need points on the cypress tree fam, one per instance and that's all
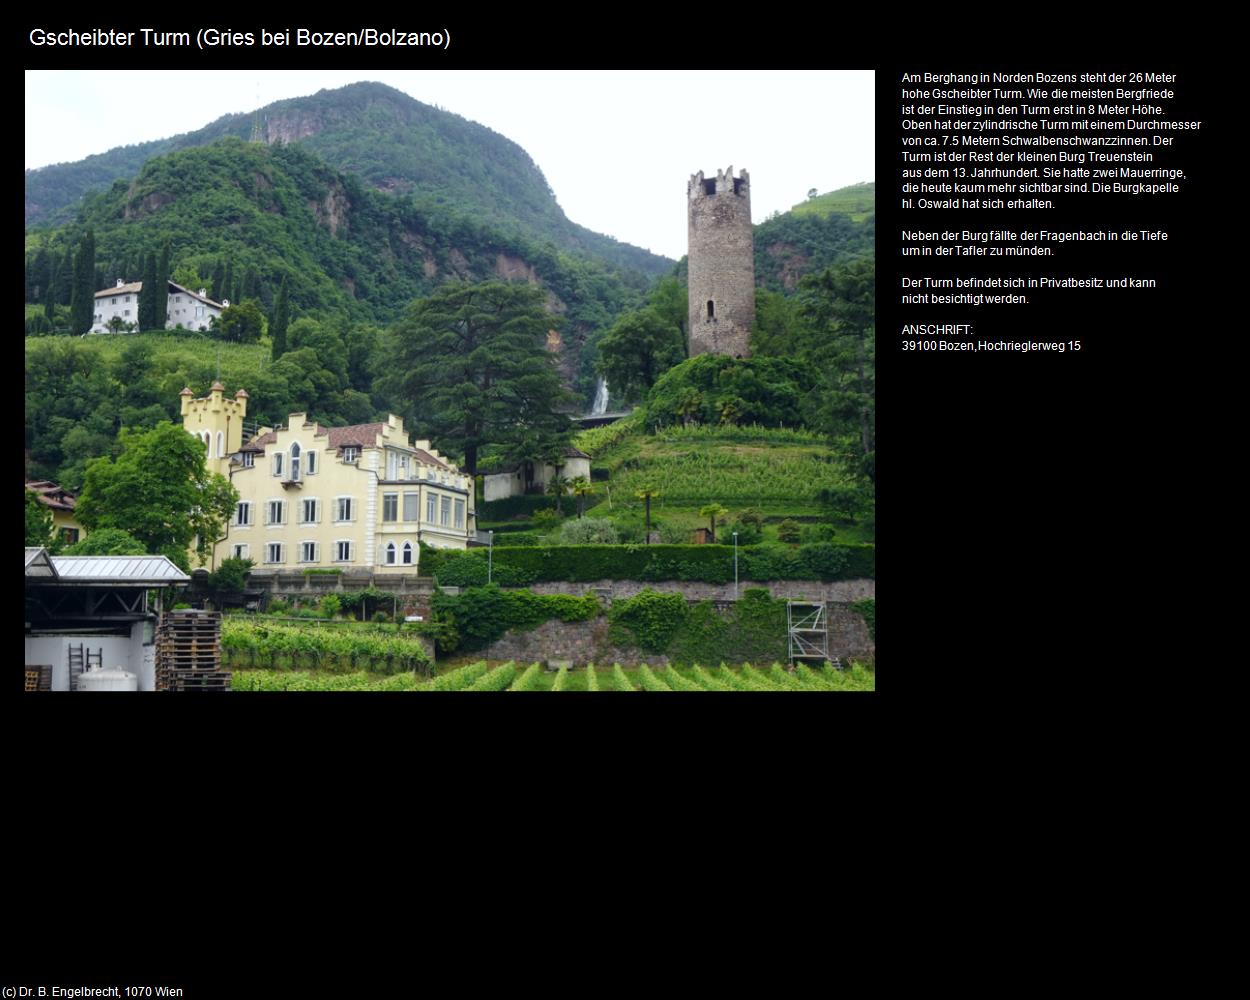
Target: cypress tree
(82, 294)
(64, 282)
(162, 281)
(39, 275)
(219, 279)
(147, 294)
(278, 322)
(251, 285)
(227, 284)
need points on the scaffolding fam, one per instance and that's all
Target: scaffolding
(807, 627)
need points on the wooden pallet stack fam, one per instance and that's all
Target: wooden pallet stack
(188, 652)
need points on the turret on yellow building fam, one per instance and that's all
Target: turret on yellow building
(217, 421)
(358, 497)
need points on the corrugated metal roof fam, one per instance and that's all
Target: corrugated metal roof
(152, 570)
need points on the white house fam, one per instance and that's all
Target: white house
(532, 477)
(191, 310)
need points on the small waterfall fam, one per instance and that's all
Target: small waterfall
(601, 398)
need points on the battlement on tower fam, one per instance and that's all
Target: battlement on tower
(724, 183)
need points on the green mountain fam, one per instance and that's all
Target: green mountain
(814, 235)
(387, 139)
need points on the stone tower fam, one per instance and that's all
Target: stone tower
(721, 264)
(217, 421)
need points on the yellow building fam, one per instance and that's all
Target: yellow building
(359, 497)
(62, 503)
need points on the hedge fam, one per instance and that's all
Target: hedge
(480, 615)
(526, 506)
(521, 566)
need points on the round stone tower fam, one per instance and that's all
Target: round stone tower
(721, 264)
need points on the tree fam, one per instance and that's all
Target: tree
(811, 193)
(712, 512)
(241, 323)
(637, 351)
(148, 293)
(230, 577)
(219, 279)
(647, 494)
(160, 491)
(82, 295)
(161, 313)
(38, 275)
(469, 365)
(581, 488)
(63, 279)
(278, 322)
(108, 542)
(38, 522)
(557, 486)
(840, 306)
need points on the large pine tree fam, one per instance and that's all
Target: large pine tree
(470, 364)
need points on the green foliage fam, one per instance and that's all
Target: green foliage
(545, 519)
(789, 531)
(108, 542)
(562, 678)
(158, 490)
(649, 681)
(531, 680)
(38, 522)
(676, 682)
(512, 508)
(596, 440)
(586, 531)
(619, 681)
(279, 321)
(858, 202)
(241, 323)
(231, 576)
(460, 678)
(483, 614)
(331, 605)
(248, 643)
(82, 296)
(765, 391)
(867, 609)
(637, 350)
(649, 620)
(469, 366)
(804, 242)
(592, 677)
(496, 680)
(303, 680)
(706, 563)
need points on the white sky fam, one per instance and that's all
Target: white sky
(617, 147)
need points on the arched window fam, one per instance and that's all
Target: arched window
(390, 553)
(294, 461)
(407, 553)
(711, 309)
(208, 446)
(221, 444)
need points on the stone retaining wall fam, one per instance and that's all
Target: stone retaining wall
(837, 591)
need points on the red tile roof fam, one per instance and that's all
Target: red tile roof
(360, 435)
(52, 495)
(428, 459)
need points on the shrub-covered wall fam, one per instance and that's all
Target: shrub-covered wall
(518, 567)
(480, 615)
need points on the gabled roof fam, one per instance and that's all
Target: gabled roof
(52, 495)
(425, 457)
(143, 571)
(132, 288)
(359, 435)
(39, 563)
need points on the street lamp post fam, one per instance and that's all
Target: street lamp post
(735, 565)
(490, 555)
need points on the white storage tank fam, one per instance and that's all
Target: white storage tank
(108, 679)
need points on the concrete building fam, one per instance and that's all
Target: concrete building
(358, 497)
(62, 503)
(721, 264)
(93, 610)
(532, 477)
(185, 308)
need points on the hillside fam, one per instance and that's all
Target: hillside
(814, 235)
(347, 250)
(391, 142)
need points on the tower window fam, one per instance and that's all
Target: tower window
(709, 187)
(711, 309)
